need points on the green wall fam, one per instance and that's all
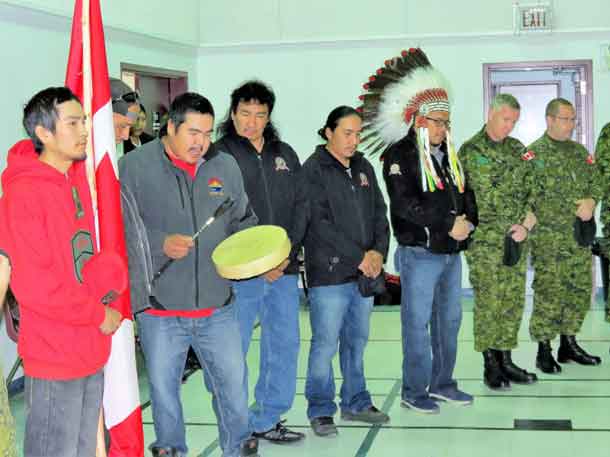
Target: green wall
(317, 54)
(35, 51)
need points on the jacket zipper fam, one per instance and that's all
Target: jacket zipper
(266, 188)
(190, 190)
(180, 190)
(359, 211)
(449, 185)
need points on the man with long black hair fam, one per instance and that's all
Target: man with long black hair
(273, 182)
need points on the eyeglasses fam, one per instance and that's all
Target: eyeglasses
(129, 97)
(565, 119)
(439, 122)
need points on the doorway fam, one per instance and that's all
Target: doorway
(534, 84)
(157, 88)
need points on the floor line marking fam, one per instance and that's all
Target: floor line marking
(211, 448)
(374, 431)
(558, 379)
(214, 444)
(415, 427)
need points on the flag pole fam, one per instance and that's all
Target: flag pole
(87, 76)
(100, 450)
(87, 106)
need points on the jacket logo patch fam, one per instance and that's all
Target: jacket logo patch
(395, 170)
(82, 250)
(364, 181)
(529, 155)
(280, 164)
(215, 186)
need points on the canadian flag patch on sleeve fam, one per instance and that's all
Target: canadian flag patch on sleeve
(529, 155)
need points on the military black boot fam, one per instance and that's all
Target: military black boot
(511, 371)
(545, 360)
(492, 375)
(570, 351)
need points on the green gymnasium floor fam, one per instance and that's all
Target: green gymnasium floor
(571, 411)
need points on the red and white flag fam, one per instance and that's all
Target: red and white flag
(87, 76)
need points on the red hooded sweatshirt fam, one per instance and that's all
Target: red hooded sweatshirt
(50, 231)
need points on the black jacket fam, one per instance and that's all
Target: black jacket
(424, 218)
(347, 218)
(275, 186)
(129, 146)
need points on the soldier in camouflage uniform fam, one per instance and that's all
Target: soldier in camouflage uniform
(602, 155)
(565, 186)
(498, 173)
(7, 425)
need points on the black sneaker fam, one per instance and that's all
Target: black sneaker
(249, 448)
(324, 426)
(280, 434)
(370, 415)
(165, 452)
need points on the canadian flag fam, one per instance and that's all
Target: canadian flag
(87, 76)
(529, 155)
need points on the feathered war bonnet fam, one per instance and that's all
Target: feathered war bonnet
(407, 86)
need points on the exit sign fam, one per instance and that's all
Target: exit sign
(532, 18)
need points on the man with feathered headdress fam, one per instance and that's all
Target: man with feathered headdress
(433, 211)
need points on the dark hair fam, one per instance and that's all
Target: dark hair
(142, 108)
(335, 116)
(188, 102)
(41, 110)
(250, 91)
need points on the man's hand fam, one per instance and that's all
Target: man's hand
(530, 221)
(277, 272)
(177, 246)
(461, 228)
(112, 321)
(585, 208)
(5, 277)
(371, 264)
(518, 232)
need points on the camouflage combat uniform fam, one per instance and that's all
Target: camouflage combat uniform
(498, 173)
(602, 157)
(563, 174)
(7, 425)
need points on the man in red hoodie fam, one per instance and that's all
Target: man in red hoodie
(61, 284)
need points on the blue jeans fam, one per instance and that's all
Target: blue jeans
(62, 416)
(430, 315)
(217, 343)
(340, 316)
(277, 306)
